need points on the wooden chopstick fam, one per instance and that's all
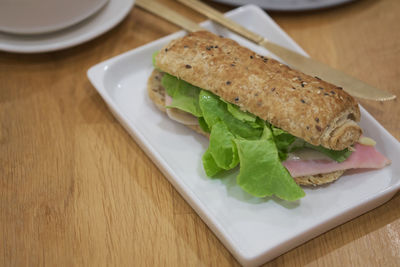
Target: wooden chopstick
(216, 16)
(169, 15)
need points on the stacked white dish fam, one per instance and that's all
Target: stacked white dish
(56, 32)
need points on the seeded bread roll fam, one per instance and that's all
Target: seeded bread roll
(156, 93)
(307, 107)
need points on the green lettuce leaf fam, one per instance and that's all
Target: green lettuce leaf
(254, 124)
(261, 172)
(170, 84)
(214, 110)
(239, 114)
(210, 166)
(211, 108)
(222, 148)
(154, 59)
(203, 125)
(184, 95)
(283, 140)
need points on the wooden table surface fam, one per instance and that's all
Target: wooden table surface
(76, 190)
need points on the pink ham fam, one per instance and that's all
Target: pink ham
(363, 157)
(168, 100)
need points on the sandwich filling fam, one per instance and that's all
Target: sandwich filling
(306, 161)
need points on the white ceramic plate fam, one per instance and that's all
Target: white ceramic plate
(107, 18)
(43, 16)
(254, 230)
(288, 5)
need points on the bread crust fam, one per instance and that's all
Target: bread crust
(156, 93)
(318, 179)
(305, 106)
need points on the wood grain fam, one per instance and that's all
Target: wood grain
(76, 190)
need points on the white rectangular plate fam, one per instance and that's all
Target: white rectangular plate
(254, 230)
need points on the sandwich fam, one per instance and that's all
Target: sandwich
(280, 127)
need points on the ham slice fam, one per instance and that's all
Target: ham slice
(362, 157)
(179, 115)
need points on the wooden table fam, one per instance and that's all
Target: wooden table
(75, 189)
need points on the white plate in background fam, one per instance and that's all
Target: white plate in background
(254, 230)
(107, 18)
(287, 5)
(44, 16)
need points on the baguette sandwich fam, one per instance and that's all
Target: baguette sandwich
(282, 127)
